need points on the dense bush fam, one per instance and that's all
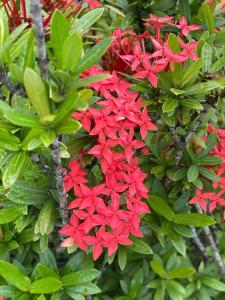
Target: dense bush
(112, 149)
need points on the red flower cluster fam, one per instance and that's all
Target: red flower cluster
(210, 200)
(106, 215)
(128, 52)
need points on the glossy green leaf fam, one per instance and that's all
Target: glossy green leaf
(72, 50)
(14, 169)
(93, 56)
(210, 160)
(158, 268)
(122, 258)
(140, 246)
(184, 272)
(69, 126)
(193, 219)
(88, 19)
(22, 119)
(47, 285)
(80, 277)
(192, 173)
(169, 105)
(9, 141)
(86, 289)
(185, 10)
(8, 215)
(36, 92)
(192, 72)
(160, 206)
(213, 283)
(48, 137)
(209, 174)
(44, 218)
(207, 16)
(14, 276)
(59, 30)
(206, 55)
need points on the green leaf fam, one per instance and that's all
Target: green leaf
(185, 10)
(8, 215)
(211, 141)
(210, 160)
(206, 56)
(8, 291)
(88, 19)
(90, 80)
(159, 205)
(159, 294)
(207, 16)
(213, 283)
(59, 30)
(14, 169)
(69, 126)
(72, 50)
(14, 276)
(80, 277)
(44, 218)
(209, 174)
(177, 92)
(175, 290)
(9, 141)
(139, 246)
(122, 257)
(192, 72)
(154, 284)
(191, 103)
(47, 285)
(179, 174)
(180, 273)
(205, 87)
(158, 268)
(192, 173)
(174, 43)
(86, 289)
(48, 137)
(169, 105)
(45, 271)
(23, 119)
(93, 56)
(193, 219)
(178, 243)
(36, 92)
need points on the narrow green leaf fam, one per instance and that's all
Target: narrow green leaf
(122, 257)
(90, 80)
(59, 30)
(86, 289)
(206, 56)
(88, 19)
(22, 119)
(48, 137)
(47, 285)
(140, 246)
(180, 273)
(14, 276)
(210, 160)
(185, 10)
(192, 173)
(158, 268)
(69, 126)
(36, 92)
(191, 103)
(72, 50)
(207, 16)
(9, 141)
(80, 277)
(8, 215)
(14, 169)
(161, 207)
(193, 219)
(192, 72)
(213, 283)
(169, 105)
(209, 174)
(93, 56)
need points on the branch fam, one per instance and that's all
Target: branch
(60, 182)
(213, 245)
(181, 145)
(13, 88)
(35, 10)
(198, 242)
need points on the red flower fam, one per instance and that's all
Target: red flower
(93, 3)
(185, 29)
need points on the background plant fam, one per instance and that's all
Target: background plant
(49, 76)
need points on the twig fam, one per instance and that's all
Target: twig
(60, 182)
(35, 10)
(36, 158)
(198, 242)
(181, 144)
(213, 245)
(13, 88)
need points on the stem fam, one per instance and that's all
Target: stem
(198, 242)
(60, 182)
(181, 145)
(213, 245)
(35, 10)
(13, 88)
